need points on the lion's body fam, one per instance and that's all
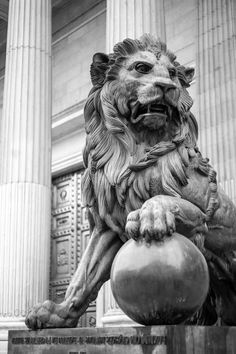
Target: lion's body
(134, 162)
(128, 162)
(145, 176)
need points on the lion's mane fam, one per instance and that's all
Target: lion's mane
(117, 179)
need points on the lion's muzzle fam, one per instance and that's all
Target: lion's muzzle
(153, 110)
(153, 116)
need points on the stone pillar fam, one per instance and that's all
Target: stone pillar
(216, 79)
(131, 19)
(25, 161)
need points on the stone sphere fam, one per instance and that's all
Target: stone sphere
(164, 282)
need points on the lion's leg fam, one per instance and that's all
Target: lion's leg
(162, 215)
(94, 268)
(93, 271)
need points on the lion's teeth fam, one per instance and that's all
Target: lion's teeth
(135, 110)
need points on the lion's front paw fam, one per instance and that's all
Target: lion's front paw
(153, 221)
(51, 315)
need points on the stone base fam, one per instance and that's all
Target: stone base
(135, 340)
(6, 324)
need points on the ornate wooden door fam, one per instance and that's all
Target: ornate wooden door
(69, 238)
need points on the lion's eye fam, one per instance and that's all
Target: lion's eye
(143, 68)
(172, 72)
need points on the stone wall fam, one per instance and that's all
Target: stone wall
(72, 53)
(79, 30)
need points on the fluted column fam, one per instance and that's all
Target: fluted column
(133, 18)
(108, 312)
(217, 87)
(125, 19)
(25, 161)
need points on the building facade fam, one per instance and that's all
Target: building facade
(46, 47)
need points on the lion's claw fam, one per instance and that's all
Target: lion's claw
(51, 315)
(154, 220)
(133, 225)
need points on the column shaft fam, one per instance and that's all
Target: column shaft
(25, 160)
(133, 18)
(25, 130)
(217, 87)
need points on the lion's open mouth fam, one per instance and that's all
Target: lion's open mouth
(152, 115)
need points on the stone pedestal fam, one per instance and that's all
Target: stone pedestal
(25, 160)
(136, 340)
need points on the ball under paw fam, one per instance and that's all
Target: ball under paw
(161, 283)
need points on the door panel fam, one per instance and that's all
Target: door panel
(69, 238)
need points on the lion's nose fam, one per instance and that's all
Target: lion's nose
(159, 93)
(164, 83)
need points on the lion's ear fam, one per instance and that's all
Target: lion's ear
(189, 74)
(98, 69)
(100, 58)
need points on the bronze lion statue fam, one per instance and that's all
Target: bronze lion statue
(145, 177)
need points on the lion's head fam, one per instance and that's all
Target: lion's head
(137, 114)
